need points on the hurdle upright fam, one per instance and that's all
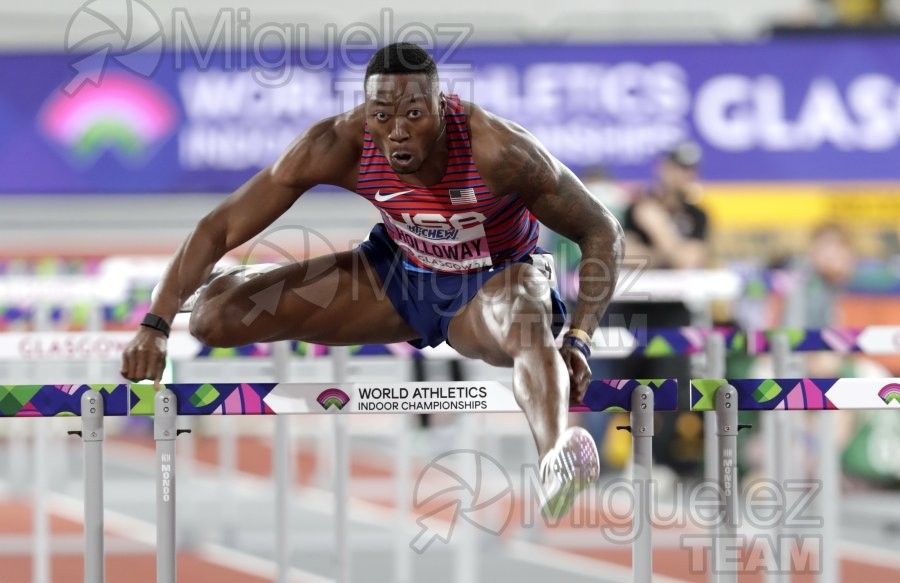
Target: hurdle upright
(781, 394)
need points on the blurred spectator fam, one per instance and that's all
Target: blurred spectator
(818, 277)
(664, 229)
(811, 300)
(663, 224)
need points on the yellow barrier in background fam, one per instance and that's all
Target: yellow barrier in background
(749, 219)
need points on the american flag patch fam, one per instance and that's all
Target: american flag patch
(462, 196)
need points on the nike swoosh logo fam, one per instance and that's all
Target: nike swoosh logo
(383, 197)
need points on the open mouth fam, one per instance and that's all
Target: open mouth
(401, 158)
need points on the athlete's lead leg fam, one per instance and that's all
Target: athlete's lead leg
(508, 323)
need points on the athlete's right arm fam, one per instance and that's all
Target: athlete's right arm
(327, 153)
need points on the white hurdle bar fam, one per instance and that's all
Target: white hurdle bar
(293, 401)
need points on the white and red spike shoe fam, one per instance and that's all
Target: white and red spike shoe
(571, 466)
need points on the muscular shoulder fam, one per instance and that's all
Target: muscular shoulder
(507, 156)
(328, 152)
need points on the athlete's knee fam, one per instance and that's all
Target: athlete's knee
(212, 322)
(205, 327)
(526, 317)
(214, 313)
(529, 296)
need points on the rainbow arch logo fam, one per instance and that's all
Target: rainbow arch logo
(123, 114)
(890, 393)
(333, 397)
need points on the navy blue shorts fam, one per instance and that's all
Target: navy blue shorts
(427, 300)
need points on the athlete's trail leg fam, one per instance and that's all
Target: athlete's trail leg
(333, 299)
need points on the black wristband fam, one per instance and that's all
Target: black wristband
(157, 323)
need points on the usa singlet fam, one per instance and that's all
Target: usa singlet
(456, 225)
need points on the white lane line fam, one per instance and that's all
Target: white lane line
(867, 554)
(145, 533)
(577, 564)
(116, 523)
(253, 565)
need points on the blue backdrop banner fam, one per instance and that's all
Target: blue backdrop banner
(200, 121)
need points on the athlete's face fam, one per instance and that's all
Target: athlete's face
(405, 117)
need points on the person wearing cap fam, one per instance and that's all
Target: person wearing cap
(664, 229)
(663, 225)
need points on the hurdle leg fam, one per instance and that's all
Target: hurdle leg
(340, 358)
(40, 560)
(92, 438)
(41, 564)
(227, 477)
(782, 446)
(402, 500)
(466, 552)
(642, 408)
(283, 470)
(165, 432)
(228, 474)
(727, 542)
(282, 475)
(403, 567)
(829, 499)
(92, 410)
(715, 369)
(465, 568)
(188, 528)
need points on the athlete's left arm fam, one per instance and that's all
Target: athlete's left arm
(552, 192)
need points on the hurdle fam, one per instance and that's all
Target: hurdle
(728, 396)
(173, 400)
(782, 343)
(871, 340)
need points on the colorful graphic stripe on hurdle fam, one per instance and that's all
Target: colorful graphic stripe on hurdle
(763, 394)
(615, 395)
(299, 398)
(868, 340)
(658, 342)
(58, 400)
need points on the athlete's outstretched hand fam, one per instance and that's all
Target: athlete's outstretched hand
(145, 356)
(579, 373)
